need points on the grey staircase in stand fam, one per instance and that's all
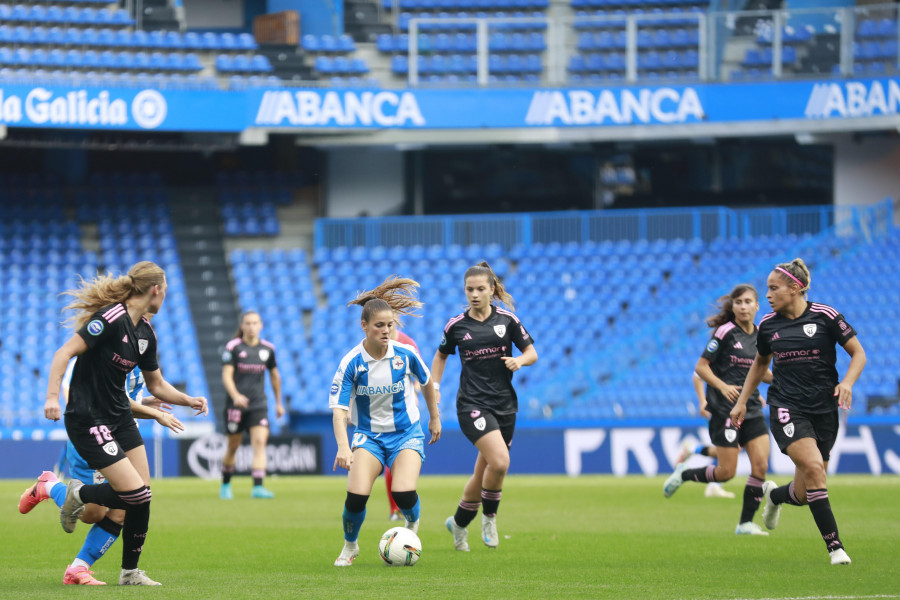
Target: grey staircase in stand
(198, 234)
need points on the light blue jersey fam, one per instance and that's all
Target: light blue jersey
(378, 393)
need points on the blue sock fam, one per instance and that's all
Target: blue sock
(58, 494)
(411, 514)
(99, 540)
(352, 524)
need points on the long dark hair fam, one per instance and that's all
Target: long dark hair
(725, 304)
(240, 329)
(500, 292)
(395, 294)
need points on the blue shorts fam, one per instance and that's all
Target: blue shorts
(387, 445)
(79, 469)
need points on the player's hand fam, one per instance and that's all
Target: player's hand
(199, 404)
(434, 428)
(168, 420)
(844, 395)
(52, 410)
(279, 410)
(762, 400)
(154, 402)
(704, 412)
(241, 401)
(512, 363)
(737, 414)
(343, 459)
(731, 392)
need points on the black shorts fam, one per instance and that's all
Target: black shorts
(103, 445)
(476, 423)
(238, 420)
(790, 425)
(725, 435)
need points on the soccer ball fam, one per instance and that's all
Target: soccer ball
(399, 547)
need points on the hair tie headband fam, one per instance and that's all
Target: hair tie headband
(786, 272)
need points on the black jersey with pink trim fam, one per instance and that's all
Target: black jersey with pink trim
(115, 346)
(730, 353)
(485, 382)
(804, 356)
(250, 365)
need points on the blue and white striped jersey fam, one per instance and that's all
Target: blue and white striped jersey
(378, 393)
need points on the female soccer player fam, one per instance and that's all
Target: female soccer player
(713, 489)
(106, 523)
(245, 361)
(805, 394)
(486, 402)
(113, 335)
(372, 385)
(723, 366)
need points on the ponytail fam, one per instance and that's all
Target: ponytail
(103, 290)
(797, 272)
(395, 294)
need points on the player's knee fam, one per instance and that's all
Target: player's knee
(93, 513)
(136, 498)
(724, 473)
(499, 466)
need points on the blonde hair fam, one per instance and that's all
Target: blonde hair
(797, 272)
(103, 290)
(395, 294)
(500, 293)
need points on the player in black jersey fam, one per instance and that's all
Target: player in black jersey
(113, 335)
(723, 366)
(486, 402)
(245, 361)
(805, 394)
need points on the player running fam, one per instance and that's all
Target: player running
(372, 387)
(106, 523)
(113, 335)
(805, 394)
(723, 366)
(486, 403)
(244, 364)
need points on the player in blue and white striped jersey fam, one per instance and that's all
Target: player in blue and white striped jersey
(372, 387)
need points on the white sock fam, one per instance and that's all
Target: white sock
(50, 487)
(80, 563)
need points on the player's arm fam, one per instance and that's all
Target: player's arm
(162, 389)
(75, 346)
(702, 368)
(240, 400)
(165, 419)
(751, 382)
(844, 389)
(340, 420)
(275, 376)
(701, 394)
(528, 357)
(438, 364)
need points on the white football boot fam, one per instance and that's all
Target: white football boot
(460, 534)
(348, 554)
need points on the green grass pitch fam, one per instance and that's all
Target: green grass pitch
(587, 537)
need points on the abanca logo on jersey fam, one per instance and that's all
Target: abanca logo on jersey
(853, 99)
(371, 390)
(622, 107)
(387, 109)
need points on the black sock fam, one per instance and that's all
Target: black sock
(820, 508)
(134, 533)
(490, 501)
(258, 475)
(752, 496)
(227, 472)
(703, 474)
(102, 494)
(110, 526)
(465, 512)
(405, 500)
(705, 450)
(785, 495)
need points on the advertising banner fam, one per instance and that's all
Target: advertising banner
(360, 109)
(285, 455)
